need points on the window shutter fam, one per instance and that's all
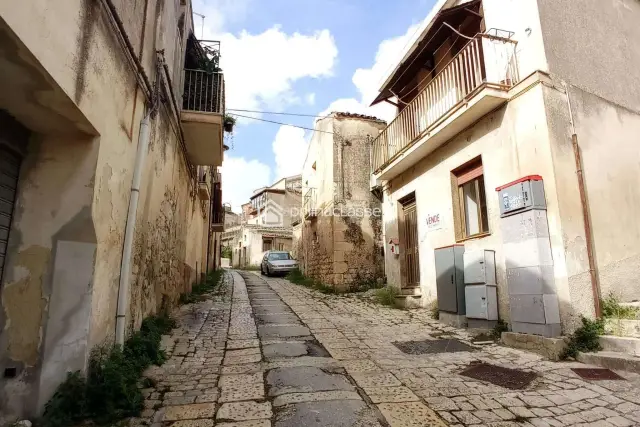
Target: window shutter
(469, 173)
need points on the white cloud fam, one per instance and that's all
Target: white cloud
(290, 149)
(369, 80)
(240, 177)
(310, 98)
(260, 69)
(215, 20)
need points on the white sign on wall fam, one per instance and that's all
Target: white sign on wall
(434, 221)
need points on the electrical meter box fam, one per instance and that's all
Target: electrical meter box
(521, 195)
(480, 267)
(482, 302)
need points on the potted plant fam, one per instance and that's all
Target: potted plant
(229, 122)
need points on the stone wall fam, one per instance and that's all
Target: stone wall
(317, 252)
(342, 246)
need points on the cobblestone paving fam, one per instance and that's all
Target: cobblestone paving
(269, 353)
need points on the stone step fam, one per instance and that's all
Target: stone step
(620, 344)
(611, 360)
(413, 291)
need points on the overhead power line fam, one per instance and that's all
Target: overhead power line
(283, 124)
(274, 112)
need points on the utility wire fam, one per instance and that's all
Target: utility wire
(273, 112)
(283, 124)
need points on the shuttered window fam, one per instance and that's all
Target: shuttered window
(471, 200)
(9, 170)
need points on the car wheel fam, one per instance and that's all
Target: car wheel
(261, 270)
(268, 272)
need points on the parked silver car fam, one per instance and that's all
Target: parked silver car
(277, 262)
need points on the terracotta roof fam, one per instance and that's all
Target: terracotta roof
(340, 114)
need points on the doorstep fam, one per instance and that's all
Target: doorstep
(626, 345)
(409, 297)
(611, 360)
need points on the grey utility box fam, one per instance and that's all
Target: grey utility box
(522, 194)
(480, 267)
(533, 301)
(450, 279)
(482, 302)
(481, 296)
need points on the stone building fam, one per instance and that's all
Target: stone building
(91, 107)
(496, 96)
(249, 242)
(339, 236)
(266, 223)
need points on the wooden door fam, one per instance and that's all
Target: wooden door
(409, 236)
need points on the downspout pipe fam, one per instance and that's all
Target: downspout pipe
(125, 266)
(586, 217)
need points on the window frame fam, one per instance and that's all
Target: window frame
(470, 172)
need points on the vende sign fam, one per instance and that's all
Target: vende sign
(433, 222)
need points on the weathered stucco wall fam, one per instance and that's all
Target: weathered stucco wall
(593, 45)
(53, 205)
(513, 142)
(74, 186)
(608, 135)
(523, 19)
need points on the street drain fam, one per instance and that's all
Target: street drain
(433, 346)
(597, 374)
(513, 379)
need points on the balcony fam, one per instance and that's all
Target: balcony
(309, 203)
(472, 84)
(217, 210)
(204, 184)
(202, 113)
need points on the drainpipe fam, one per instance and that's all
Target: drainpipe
(125, 266)
(588, 235)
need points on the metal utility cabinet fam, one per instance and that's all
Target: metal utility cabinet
(450, 279)
(533, 301)
(450, 285)
(481, 295)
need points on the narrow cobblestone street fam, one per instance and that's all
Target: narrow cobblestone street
(265, 352)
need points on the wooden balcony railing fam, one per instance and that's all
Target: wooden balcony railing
(484, 61)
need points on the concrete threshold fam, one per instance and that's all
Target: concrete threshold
(626, 345)
(611, 360)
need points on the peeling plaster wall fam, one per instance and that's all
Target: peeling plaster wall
(55, 193)
(513, 142)
(69, 180)
(357, 253)
(593, 45)
(342, 245)
(609, 139)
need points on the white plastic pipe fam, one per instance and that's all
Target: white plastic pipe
(125, 266)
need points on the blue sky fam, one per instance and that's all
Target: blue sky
(299, 56)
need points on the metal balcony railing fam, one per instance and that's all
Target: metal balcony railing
(203, 91)
(485, 61)
(309, 203)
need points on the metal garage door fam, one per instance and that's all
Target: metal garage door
(9, 168)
